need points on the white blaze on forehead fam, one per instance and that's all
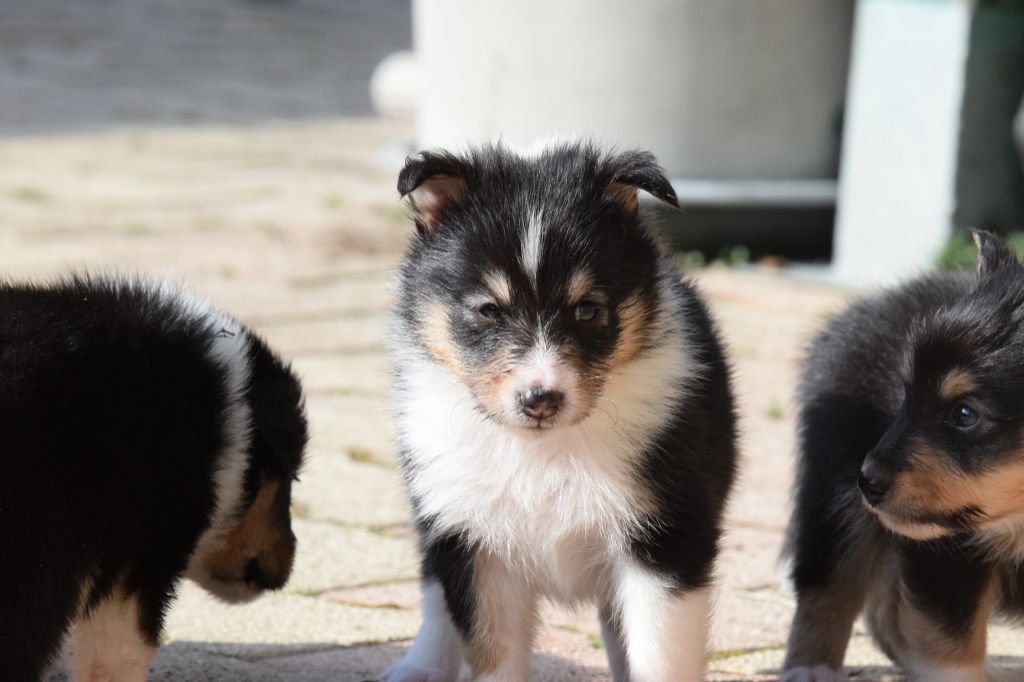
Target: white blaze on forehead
(533, 243)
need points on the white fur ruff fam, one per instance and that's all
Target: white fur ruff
(557, 505)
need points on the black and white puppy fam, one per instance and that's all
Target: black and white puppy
(564, 413)
(910, 497)
(144, 435)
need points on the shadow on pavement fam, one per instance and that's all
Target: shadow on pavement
(313, 662)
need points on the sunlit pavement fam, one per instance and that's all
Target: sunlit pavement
(295, 228)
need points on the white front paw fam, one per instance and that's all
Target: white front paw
(819, 673)
(416, 671)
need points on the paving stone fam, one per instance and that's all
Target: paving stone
(280, 623)
(361, 375)
(357, 425)
(336, 487)
(403, 594)
(330, 556)
(345, 335)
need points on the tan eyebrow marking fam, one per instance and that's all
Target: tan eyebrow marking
(956, 383)
(579, 286)
(499, 286)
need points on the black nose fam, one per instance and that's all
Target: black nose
(873, 483)
(540, 403)
(255, 575)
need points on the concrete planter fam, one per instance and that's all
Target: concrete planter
(730, 89)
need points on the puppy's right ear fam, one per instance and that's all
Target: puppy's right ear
(993, 253)
(434, 183)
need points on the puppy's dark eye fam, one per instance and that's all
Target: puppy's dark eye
(964, 416)
(489, 311)
(586, 311)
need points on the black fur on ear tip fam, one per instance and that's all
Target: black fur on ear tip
(640, 169)
(426, 164)
(993, 253)
(409, 177)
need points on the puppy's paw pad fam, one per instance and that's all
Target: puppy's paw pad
(414, 672)
(819, 673)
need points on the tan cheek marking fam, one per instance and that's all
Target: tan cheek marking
(955, 384)
(499, 287)
(633, 317)
(935, 484)
(585, 384)
(489, 382)
(435, 335)
(255, 534)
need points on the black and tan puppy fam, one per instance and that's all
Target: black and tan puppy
(910, 500)
(144, 435)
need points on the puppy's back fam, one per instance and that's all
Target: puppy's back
(859, 352)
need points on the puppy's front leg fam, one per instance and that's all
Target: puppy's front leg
(107, 644)
(435, 655)
(665, 628)
(499, 643)
(935, 622)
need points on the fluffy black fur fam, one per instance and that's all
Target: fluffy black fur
(111, 430)
(872, 414)
(490, 197)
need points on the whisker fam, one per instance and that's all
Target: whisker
(615, 420)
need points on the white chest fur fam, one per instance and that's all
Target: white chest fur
(557, 505)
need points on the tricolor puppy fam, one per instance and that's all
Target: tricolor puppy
(144, 435)
(564, 413)
(910, 503)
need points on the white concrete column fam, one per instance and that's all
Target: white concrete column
(898, 172)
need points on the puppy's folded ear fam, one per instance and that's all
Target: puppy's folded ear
(632, 171)
(434, 182)
(993, 254)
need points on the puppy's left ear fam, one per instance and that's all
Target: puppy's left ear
(993, 253)
(434, 182)
(632, 171)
